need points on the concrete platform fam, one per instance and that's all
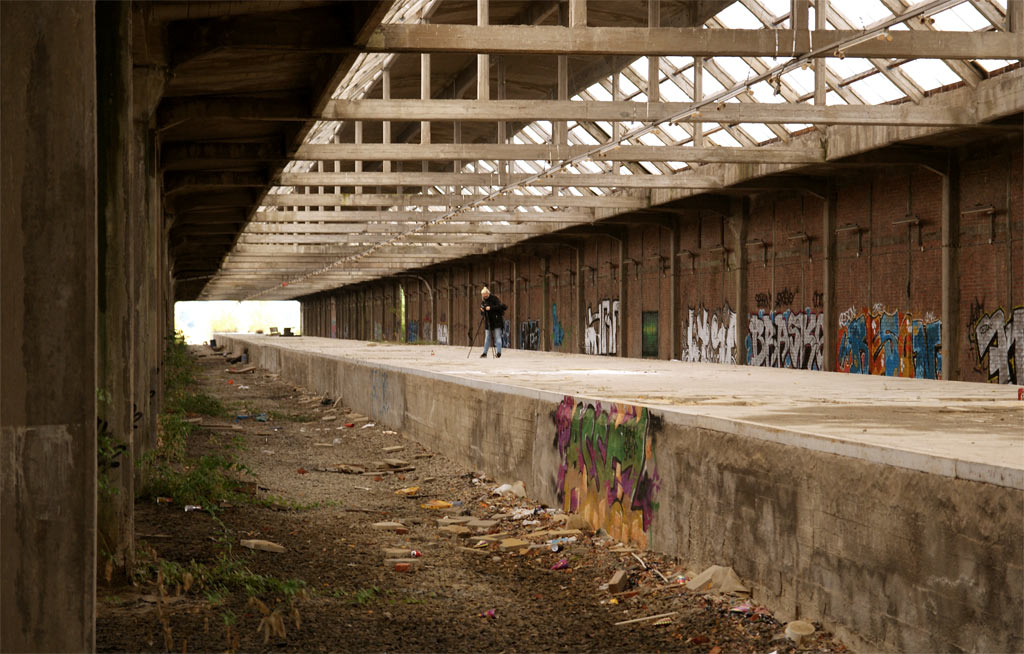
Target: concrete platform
(892, 509)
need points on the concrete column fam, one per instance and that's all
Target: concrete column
(831, 319)
(1015, 15)
(48, 351)
(820, 18)
(951, 269)
(114, 410)
(674, 323)
(545, 309)
(514, 335)
(738, 222)
(483, 62)
(579, 300)
(621, 340)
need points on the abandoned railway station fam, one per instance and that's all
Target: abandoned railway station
(792, 231)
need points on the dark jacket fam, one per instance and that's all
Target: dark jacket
(496, 316)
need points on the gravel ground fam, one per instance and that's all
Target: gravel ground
(331, 475)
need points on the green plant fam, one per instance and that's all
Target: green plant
(211, 480)
(364, 595)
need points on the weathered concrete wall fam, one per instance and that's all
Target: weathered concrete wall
(48, 236)
(891, 558)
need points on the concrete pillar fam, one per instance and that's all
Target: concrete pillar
(738, 222)
(674, 323)
(621, 340)
(48, 351)
(831, 320)
(545, 308)
(579, 300)
(951, 269)
(514, 335)
(115, 297)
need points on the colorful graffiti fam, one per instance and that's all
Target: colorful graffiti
(412, 332)
(607, 471)
(786, 340)
(529, 335)
(557, 333)
(894, 344)
(649, 333)
(1000, 339)
(710, 336)
(602, 328)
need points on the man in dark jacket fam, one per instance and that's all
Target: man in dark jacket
(493, 312)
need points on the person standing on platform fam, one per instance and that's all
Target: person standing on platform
(493, 312)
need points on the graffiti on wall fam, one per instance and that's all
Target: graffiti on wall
(506, 334)
(557, 333)
(786, 340)
(606, 469)
(426, 328)
(529, 335)
(442, 333)
(999, 339)
(710, 336)
(649, 333)
(602, 328)
(412, 332)
(894, 344)
(378, 333)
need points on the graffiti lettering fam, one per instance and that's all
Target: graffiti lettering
(1001, 340)
(413, 332)
(763, 300)
(557, 333)
(602, 328)
(442, 333)
(785, 340)
(894, 344)
(607, 471)
(710, 337)
(529, 335)
(818, 301)
(784, 298)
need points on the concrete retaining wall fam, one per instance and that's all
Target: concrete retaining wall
(889, 558)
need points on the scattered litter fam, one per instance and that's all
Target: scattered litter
(242, 416)
(403, 567)
(489, 613)
(717, 579)
(302, 471)
(330, 418)
(618, 582)
(664, 621)
(263, 545)
(326, 401)
(561, 565)
(643, 563)
(798, 630)
(436, 504)
(389, 432)
(410, 490)
(423, 456)
(337, 441)
(396, 527)
(743, 608)
(164, 500)
(261, 418)
(369, 424)
(267, 451)
(243, 387)
(518, 489)
(393, 448)
(350, 425)
(192, 507)
(650, 617)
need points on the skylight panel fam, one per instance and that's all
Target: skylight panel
(670, 92)
(848, 67)
(758, 131)
(676, 166)
(862, 13)
(929, 73)
(796, 127)
(543, 127)
(639, 67)
(627, 87)
(674, 132)
(598, 92)
(650, 139)
(623, 170)
(735, 67)
(724, 139)
(649, 167)
(992, 64)
(963, 17)
(583, 135)
(736, 16)
(605, 127)
(832, 99)
(763, 92)
(678, 63)
(711, 84)
(776, 7)
(801, 80)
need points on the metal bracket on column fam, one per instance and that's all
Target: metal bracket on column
(910, 221)
(693, 258)
(725, 254)
(802, 236)
(850, 227)
(991, 211)
(764, 248)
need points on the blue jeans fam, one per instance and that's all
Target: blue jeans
(497, 339)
